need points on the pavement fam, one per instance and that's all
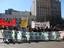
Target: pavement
(34, 45)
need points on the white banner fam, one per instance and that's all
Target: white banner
(40, 24)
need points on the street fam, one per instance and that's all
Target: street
(34, 45)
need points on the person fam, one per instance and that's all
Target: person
(46, 29)
(30, 29)
(39, 29)
(24, 29)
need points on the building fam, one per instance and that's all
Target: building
(47, 10)
(14, 14)
(11, 14)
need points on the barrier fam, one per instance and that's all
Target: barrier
(19, 36)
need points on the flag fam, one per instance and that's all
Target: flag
(24, 23)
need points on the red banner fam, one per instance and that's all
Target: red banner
(6, 23)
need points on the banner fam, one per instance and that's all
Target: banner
(40, 24)
(6, 23)
(24, 23)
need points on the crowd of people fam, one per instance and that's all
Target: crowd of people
(39, 29)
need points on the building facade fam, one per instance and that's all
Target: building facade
(46, 10)
(14, 14)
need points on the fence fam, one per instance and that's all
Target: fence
(20, 36)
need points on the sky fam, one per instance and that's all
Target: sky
(62, 8)
(21, 5)
(15, 4)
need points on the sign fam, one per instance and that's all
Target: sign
(5, 23)
(40, 24)
(24, 23)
